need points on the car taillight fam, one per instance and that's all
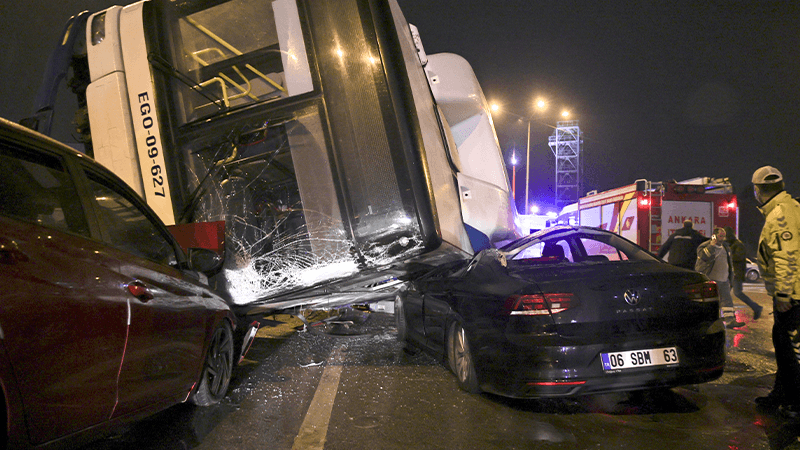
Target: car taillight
(702, 292)
(539, 304)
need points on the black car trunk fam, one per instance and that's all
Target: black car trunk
(620, 300)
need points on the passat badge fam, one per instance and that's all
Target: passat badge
(632, 297)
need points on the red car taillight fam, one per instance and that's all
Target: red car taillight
(702, 292)
(539, 304)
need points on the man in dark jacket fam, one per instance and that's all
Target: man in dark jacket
(682, 246)
(739, 260)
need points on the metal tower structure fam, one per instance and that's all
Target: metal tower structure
(566, 143)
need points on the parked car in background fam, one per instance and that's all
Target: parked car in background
(565, 311)
(103, 319)
(751, 274)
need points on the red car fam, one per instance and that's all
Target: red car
(102, 317)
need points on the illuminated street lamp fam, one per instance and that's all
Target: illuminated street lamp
(540, 105)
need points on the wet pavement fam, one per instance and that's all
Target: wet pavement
(350, 385)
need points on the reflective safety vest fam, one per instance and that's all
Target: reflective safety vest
(779, 247)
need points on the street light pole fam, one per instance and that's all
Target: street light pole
(541, 104)
(527, 168)
(514, 176)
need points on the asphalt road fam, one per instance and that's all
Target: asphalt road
(355, 387)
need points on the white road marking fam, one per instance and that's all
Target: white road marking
(755, 288)
(315, 425)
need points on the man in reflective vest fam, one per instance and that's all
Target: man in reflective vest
(778, 261)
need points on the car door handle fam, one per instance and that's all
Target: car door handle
(10, 253)
(140, 290)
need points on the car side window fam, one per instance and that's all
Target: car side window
(128, 228)
(602, 251)
(551, 251)
(532, 251)
(559, 249)
(36, 187)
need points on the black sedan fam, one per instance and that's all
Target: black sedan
(565, 311)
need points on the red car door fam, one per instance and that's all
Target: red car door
(62, 320)
(63, 325)
(167, 334)
(170, 317)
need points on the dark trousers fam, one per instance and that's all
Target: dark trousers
(739, 293)
(784, 333)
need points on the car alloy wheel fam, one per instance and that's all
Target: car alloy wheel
(217, 370)
(461, 359)
(752, 275)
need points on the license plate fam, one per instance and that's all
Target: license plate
(639, 358)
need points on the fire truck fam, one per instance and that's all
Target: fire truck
(308, 142)
(648, 212)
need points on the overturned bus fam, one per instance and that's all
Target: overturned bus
(313, 144)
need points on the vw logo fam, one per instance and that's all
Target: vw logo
(632, 297)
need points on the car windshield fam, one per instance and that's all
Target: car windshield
(574, 245)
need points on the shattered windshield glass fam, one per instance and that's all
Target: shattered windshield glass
(270, 180)
(312, 187)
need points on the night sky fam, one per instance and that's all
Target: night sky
(661, 90)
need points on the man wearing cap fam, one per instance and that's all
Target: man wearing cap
(682, 246)
(778, 261)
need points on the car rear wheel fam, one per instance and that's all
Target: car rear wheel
(751, 275)
(460, 358)
(400, 319)
(217, 369)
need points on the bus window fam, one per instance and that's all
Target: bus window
(233, 54)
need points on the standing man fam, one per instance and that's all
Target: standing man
(714, 260)
(739, 259)
(682, 246)
(778, 259)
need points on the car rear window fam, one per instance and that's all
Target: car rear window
(35, 187)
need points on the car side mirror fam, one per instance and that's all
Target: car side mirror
(204, 260)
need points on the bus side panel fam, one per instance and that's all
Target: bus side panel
(147, 131)
(112, 134)
(441, 184)
(482, 179)
(107, 100)
(368, 143)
